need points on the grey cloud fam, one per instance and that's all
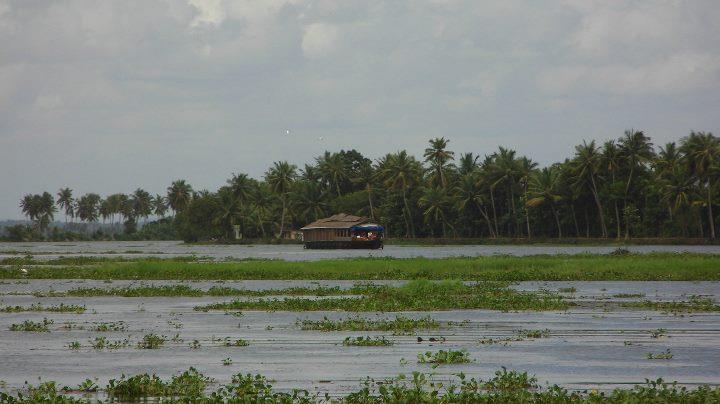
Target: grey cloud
(108, 96)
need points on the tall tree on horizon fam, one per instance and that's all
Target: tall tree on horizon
(65, 201)
(280, 178)
(701, 154)
(178, 195)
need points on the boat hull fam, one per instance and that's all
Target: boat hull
(355, 244)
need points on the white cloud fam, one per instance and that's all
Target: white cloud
(319, 39)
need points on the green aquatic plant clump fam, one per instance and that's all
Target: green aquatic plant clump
(33, 326)
(694, 304)
(187, 291)
(151, 341)
(443, 357)
(60, 308)
(367, 341)
(398, 325)
(420, 295)
(191, 384)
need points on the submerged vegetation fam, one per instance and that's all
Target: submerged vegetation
(694, 304)
(61, 308)
(367, 341)
(505, 386)
(443, 357)
(413, 296)
(399, 324)
(581, 267)
(33, 326)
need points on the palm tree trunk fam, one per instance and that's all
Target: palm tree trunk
(492, 200)
(577, 228)
(369, 192)
(282, 218)
(557, 220)
(514, 212)
(527, 218)
(487, 220)
(587, 224)
(617, 219)
(627, 189)
(711, 220)
(405, 214)
(599, 207)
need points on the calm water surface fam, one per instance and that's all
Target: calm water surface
(168, 249)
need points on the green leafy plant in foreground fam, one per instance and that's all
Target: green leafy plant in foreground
(151, 341)
(32, 326)
(507, 386)
(443, 357)
(367, 341)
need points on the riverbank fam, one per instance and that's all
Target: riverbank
(580, 267)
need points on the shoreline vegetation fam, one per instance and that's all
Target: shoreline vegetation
(620, 189)
(620, 265)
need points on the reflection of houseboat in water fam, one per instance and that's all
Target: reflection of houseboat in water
(343, 231)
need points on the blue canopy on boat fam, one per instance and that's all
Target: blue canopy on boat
(368, 227)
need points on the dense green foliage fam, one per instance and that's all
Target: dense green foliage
(620, 189)
(582, 267)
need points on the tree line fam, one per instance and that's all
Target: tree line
(618, 189)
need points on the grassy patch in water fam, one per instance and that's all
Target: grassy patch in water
(413, 296)
(32, 326)
(399, 324)
(694, 304)
(187, 291)
(367, 341)
(60, 308)
(443, 357)
(581, 267)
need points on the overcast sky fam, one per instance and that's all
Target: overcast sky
(108, 96)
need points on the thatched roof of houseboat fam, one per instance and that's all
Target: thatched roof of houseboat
(339, 221)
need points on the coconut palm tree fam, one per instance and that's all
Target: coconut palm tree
(467, 164)
(544, 190)
(526, 168)
(610, 162)
(506, 170)
(439, 158)
(585, 166)
(436, 205)
(366, 178)
(261, 205)
(178, 195)
(335, 170)
(636, 151)
(142, 204)
(701, 152)
(401, 172)
(280, 178)
(309, 201)
(65, 201)
(469, 193)
(159, 205)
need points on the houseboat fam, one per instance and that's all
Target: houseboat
(343, 231)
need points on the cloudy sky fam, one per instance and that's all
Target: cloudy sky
(108, 96)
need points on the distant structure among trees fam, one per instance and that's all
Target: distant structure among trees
(619, 189)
